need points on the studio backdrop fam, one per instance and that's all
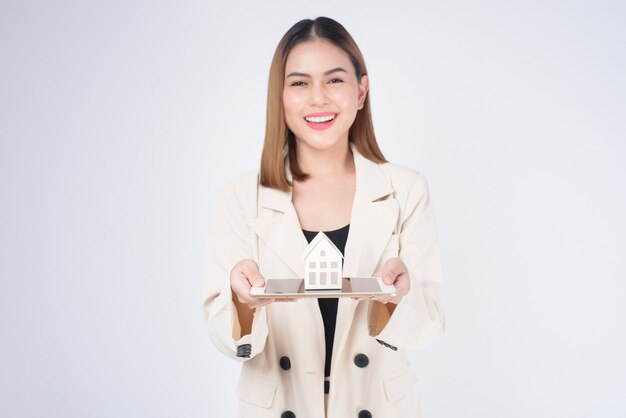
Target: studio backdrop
(120, 121)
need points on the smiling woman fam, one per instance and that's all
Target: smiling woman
(315, 60)
(335, 93)
(322, 170)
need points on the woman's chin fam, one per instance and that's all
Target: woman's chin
(320, 144)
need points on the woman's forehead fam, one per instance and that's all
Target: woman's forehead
(316, 57)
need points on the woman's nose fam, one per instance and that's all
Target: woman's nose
(318, 94)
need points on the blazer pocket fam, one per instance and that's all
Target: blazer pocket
(256, 390)
(399, 384)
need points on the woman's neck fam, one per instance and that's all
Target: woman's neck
(327, 163)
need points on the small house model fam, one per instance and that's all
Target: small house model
(322, 264)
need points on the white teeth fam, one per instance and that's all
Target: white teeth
(319, 119)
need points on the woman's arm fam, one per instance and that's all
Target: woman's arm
(237, 331)
(418, 317)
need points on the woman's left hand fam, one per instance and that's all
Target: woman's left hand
(394, 272)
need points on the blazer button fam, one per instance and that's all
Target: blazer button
(365, 414)
(285, 363)
(287, 414)
(361, 360)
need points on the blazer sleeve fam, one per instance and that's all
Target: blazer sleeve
(419, 318)
(231, 240)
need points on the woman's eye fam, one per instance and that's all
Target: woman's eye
(336, 80)
(297, 83)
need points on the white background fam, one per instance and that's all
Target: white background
(120, 119)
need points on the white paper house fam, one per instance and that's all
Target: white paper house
(322, 264)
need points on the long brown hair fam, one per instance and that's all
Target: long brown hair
(280, 142)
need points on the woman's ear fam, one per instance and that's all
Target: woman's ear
(363, 89)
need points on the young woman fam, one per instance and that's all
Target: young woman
(322, 170)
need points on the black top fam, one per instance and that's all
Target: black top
(328, 306)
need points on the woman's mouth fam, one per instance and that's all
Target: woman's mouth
(320, 121)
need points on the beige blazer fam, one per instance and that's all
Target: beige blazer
(282, 374)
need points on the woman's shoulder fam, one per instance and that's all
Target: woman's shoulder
(410, 186)
(403, 178)
(245, 179)
(241, 188)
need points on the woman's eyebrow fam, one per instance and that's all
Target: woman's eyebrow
(334, 70)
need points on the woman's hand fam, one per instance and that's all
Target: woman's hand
(244, 275)
(394, 272)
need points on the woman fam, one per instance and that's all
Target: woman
(322, 170)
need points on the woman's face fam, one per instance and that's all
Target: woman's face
(321, 95)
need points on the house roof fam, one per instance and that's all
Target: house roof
(319, 238)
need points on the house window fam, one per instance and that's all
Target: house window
(323, 264)
(333, 264)
(312, 265)
(323, 277)
(312, 277)
(323, 253)
(333, 277)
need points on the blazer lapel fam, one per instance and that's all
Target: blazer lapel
(279, 228)
(372, 222)
(373, 218)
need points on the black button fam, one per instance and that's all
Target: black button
(287, 414)
(326, 387)
(365, 414)
(361, 360)
(285, 363)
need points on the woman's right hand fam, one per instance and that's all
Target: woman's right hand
(244, 275)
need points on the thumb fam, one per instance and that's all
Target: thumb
(255, 279)
(385, 274)
(388, 278)
(392, 269)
